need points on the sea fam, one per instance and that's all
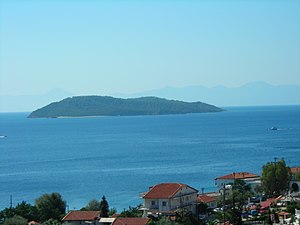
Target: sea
(122, 156)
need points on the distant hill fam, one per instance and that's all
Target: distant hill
(108, 106)
(250, 94)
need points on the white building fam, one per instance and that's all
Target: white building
(250, 179)
(166, 198)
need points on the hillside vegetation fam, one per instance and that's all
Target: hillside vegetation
(109, 106)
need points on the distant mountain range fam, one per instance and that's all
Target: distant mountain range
(250, 94)
(82, 106)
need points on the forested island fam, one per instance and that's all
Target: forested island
(81, 106)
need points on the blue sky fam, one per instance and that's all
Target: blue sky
(104, 47)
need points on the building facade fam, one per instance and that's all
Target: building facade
(167, 198)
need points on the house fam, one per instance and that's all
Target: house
(76, 217)
(250, 179)
(166, 198)
(210, 201)
(295, 181)
(131, 221)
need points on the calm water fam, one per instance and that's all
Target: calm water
(85, 158)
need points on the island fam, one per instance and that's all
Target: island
(84, 106)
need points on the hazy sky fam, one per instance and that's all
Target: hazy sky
(103, 47)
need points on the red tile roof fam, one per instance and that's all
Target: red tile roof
(295, 169)
(131, 221)
(267, 203)
(206, 199)
(239, 175)
(165, 190)
(81, 215)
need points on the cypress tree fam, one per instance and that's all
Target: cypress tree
(104, 208)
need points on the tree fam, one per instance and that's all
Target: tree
(240, 193)
(202, 208)
(234, 216)
(7, 213)
(15, 220)
(275, 177)
(132, 212)
(52, 222)
(112, 211)
(50, 206)
(185, 217)
(104, 208)
(93, 205)
(27, 211)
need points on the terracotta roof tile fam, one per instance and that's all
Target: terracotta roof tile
(165, 190)
(206, 199)
(295, 169)
(239, 175)
(267, 203)
(131, 221)
(81, 215)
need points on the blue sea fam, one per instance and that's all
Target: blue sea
(119, 157)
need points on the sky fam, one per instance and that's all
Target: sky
(126, 46)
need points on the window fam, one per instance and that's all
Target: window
(152, 202)
(164, 203)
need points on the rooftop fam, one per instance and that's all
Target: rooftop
(238, 175)
(131, 221)
(206, 198)
(165, 190)
(81, 215)
(295, 169)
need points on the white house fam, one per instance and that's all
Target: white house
(166, 198)
(250, 179)
(209, 200)
(76, 217)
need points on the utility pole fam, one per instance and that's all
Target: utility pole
(10, 201)
(224, 203)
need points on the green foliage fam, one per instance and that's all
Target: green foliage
(93, 205)
(109, 106)
(50, 206)
(164, 221)
(15, 220)
(185, 217)
(290, 208)
(240, 193)
(132, 212)
(52, 222)
(112, 211)
(7, 213)
(259, 189)
(104, 208)
(234, 216)
(27, 211)
(297, 177)
(275, 177)
(23, 209)
(202, 208)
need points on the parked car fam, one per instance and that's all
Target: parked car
(254, 212)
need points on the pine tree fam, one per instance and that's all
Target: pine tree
(104, 208)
